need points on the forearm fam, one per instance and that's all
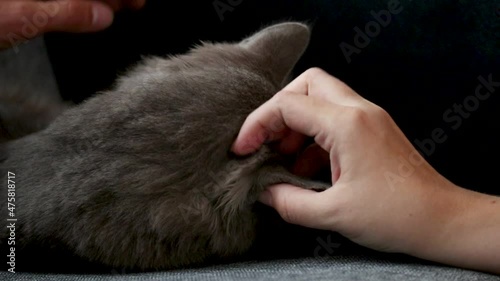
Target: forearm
(468, 233)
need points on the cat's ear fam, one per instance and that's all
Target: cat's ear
(281, 45)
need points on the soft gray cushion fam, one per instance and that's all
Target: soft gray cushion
(339, 268)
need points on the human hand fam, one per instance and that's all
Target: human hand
(385, 196)
(22, 20)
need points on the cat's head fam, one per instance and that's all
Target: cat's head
(271, 52)
(198, 99)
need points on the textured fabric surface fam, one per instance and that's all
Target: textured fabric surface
(339, 268)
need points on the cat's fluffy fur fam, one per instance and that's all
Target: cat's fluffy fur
(141, 176)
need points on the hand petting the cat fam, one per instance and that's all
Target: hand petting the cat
(385, 196)
(21, 20)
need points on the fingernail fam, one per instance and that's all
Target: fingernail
(234, 148)
(242, 149)
(266, 198)
(102, 16)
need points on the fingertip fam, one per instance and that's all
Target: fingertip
(78, 16)
(102, 16)
(266, 198)
(283, 191)
(247, 142)
(294, 204)
(241, 147)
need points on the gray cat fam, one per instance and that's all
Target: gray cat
(141, 176)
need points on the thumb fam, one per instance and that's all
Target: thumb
(75, 16)
(297, 205)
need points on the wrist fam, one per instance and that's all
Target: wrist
(462, 230)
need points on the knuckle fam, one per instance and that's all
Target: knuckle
(368, 115)
(282, 97)
(314, 71)
(379, 113)
(378, 110)
(358, 116)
